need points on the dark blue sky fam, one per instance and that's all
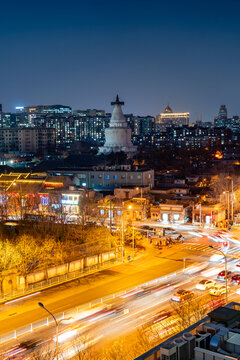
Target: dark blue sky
(81, 53)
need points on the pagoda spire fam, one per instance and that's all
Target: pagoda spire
(117, 101)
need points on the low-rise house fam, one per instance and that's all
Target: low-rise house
(209, 213)
(169, 213)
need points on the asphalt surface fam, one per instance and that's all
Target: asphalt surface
(152, 265)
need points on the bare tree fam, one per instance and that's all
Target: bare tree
(29, 253)
(8, 259)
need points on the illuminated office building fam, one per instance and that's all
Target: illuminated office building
(169, 119)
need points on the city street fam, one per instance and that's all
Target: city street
(130, 310)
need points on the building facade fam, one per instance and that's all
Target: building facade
(27, 140)
(169, 119)
(108, 178)
(169, 213)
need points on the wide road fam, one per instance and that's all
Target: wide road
(151, 265)
(141, 307)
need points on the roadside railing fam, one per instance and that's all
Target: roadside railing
(60, 279)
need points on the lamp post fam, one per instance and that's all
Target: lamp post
(56, 324)
(110, 215)
(232, 200)
(228, 205)
(122, 237)
(137, 188)
(133, 241)
(225, 258)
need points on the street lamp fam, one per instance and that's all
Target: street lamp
(228, 205)
(225, 258)
(57, 323)
(133, 241)
(232, 198)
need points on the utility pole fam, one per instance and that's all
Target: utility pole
(110, 215)
(200, 214)
(122, 233)
(225, 260)
(228, 202)
(133, 241)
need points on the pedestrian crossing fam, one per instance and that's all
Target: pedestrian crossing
(233, 252)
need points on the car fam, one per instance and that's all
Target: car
(237, 266)
(158, 317)
(155, 288)
(222, 275)
(205, 284)
(19, 351)
(235, 279)
(13, 353)
(217, 290)
(182, 295)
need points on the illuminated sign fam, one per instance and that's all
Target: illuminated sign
(19, 107)
(70, 202)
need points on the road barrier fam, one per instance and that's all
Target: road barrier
(61, 279)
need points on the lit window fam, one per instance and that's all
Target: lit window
(107, 177)
(45, 200)
(115, 177)
(102, 211)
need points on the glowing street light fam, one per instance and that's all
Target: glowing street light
(57, 323)
(225, 258)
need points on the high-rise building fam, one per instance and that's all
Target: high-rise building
(25, 115)
(143, 125)
(6, 120)
(220, 120)
(168, 119)
(89, 112)
(44, 109)
(27, 140)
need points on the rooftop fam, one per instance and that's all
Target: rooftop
(217, 336)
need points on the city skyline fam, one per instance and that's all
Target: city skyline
(151, 54)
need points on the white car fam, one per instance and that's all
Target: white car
(205, 284)
(218, 289)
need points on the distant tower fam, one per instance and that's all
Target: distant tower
(221, 119)
(118, 135)
(0, 108)
(223, 112)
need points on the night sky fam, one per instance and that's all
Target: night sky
(82, 53)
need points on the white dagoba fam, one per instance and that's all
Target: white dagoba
(118, 135)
